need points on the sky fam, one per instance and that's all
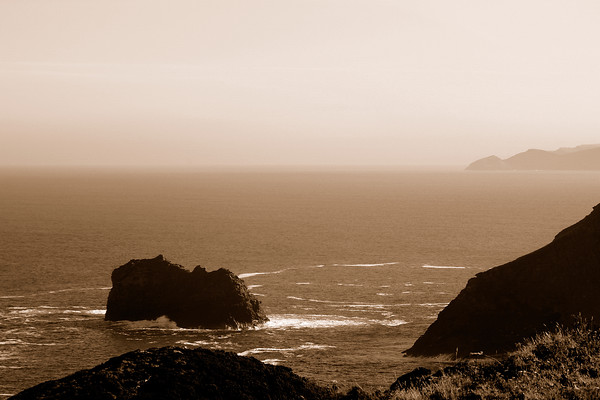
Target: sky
(294, 82)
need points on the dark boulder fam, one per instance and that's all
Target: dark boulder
(177, 373)
(151, 288)
(506, 304)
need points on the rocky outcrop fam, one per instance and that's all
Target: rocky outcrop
(585, 157)
(151, 288)
(177, 373)
(506, 304)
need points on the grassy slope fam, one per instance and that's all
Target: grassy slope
(563, 364)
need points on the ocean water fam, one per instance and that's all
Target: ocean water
(351, 266)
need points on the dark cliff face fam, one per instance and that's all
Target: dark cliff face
(511, 302)
(177, 373)
(150, 288)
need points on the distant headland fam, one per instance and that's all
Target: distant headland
(580, 158)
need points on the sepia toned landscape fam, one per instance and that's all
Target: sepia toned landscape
(299, 200)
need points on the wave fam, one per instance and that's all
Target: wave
(433, 304)
(367, 265)
(48, 310)
(319, 321)
(251, 274)
(343, 303)
(250, 287)
(272, 361)
(305, 346)
(442, 267)
(161, 323)
(296, 321)
(19, 342)
(37, 294)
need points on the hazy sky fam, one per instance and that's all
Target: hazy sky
(378, 82)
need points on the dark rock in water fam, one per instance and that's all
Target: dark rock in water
(506, 304)
(176, 373)
(151, 288)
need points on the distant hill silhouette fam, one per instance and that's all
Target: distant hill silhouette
(508, 303)
(580, 158)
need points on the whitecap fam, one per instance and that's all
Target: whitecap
(96, 312)
(384, 294)
(442, 267)
(305, 346)
(208, 343)
(303, 283)
(161, 323)
(392, 322)
(19, 342)
(376, 306)
(250, 287)
(250, 274)
(350, 284)
(272, 361)
(433, 304)
(367, 265)
(297, 321)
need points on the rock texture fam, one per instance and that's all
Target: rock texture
(177, 373)
(151, 288)
(506, 304)
(585, 157)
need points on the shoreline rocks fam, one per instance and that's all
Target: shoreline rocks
(147, 289)
(514, 301)
(178, 373)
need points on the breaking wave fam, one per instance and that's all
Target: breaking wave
(317, 321)
(305, 346)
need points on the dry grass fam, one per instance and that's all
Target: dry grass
(562, 364)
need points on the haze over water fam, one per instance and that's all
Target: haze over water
(351, 266)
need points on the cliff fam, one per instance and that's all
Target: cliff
(580, 158)
(178, 373)
(150, 288)
(508, 303)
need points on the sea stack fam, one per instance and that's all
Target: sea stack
(514, 301)
(151, 288)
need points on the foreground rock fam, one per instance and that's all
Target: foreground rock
(506, 304)
(151, 288)
(176, 373)
(580, 158)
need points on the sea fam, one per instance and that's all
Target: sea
(351, 265)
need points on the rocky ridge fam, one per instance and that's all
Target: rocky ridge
(178, 373)
(580, 158)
